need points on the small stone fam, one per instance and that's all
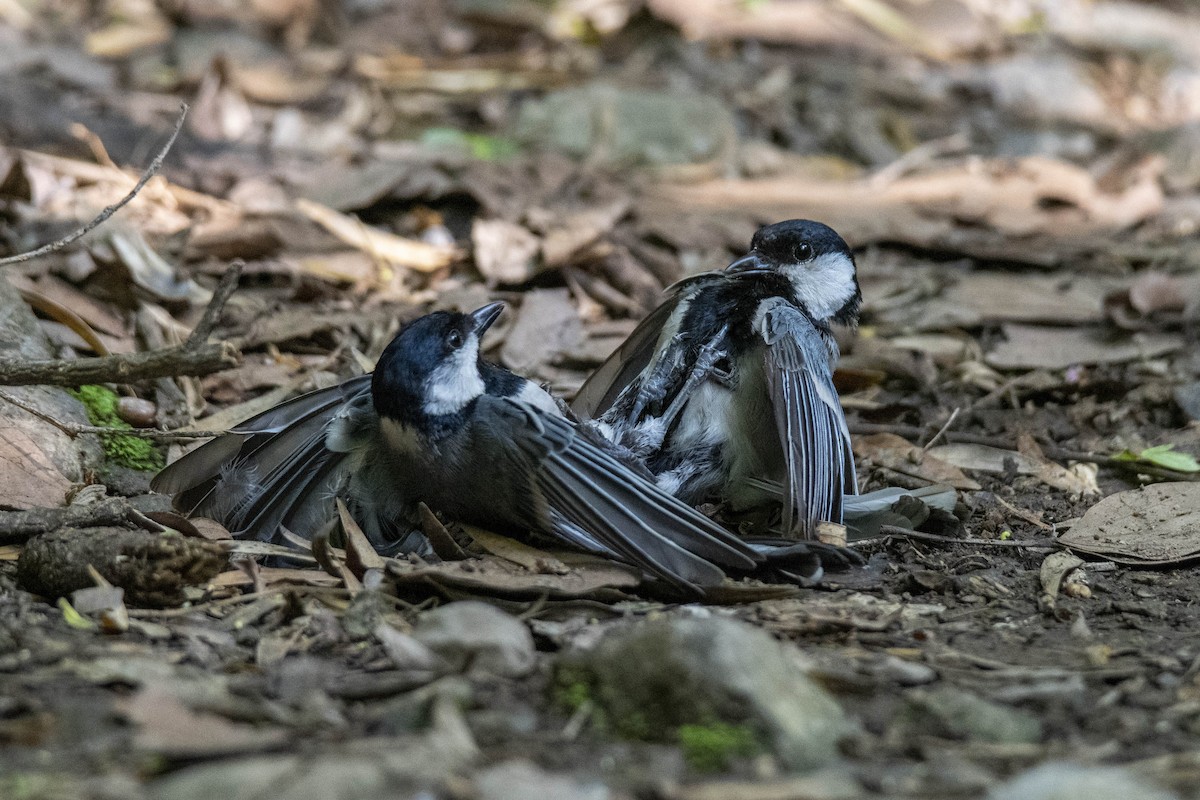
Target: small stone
(1062, 781)
(957, 714)
(907, 673)
(405, 651)
(475, 636)
(137, 412)
(652, 678)
(519, 780)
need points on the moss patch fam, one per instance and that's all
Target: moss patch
(710, 748)
(128, 451)
(572, 687)
(656, 699)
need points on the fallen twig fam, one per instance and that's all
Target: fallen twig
(74, 429)
(103, 216)
(894, 530)
(193, 357)
(16, 526)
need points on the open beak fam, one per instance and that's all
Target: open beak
(484, 317)
(748, 263)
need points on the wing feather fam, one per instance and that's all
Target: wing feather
(812, 429)
(588, 489)
(626, 364)
(272, 469)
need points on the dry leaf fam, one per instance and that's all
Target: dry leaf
(1157, 291)
(1009, 297)
(896, 453)
(547, 326)
(1154, 525)
(528, 557)
(165, 725)
(395, 250)
(220, 111)
(563, 240)
(360, 555)
(1055, 569)
(1074, 480)
(1037, 347)
(122, 39)
(504, 252)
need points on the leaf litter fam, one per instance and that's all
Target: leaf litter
(1027, 261)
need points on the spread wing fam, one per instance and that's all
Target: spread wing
(808, 417)
(273, 469)
(626, 364)
(591, 500)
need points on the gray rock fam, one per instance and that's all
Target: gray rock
(475, 636)
(629, 126)
(1063, 781)
(651, 678)
(957, 714)
(44, 460)
(521, 780)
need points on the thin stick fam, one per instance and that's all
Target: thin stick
(212, 314)
(894, 530)
(942, 430)
(103, 216)
(73, 429)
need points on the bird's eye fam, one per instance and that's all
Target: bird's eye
(454, 339)
(802, 252)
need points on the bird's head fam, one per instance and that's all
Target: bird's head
(432, 367)
(817, 262)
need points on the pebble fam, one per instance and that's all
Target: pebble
(907, 673)
(1065, 781)
(955, 713)
(654, 676)
(471, 635)
(521, 780)
(137, 412)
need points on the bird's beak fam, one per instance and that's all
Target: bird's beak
(484, 317)
(751, 262)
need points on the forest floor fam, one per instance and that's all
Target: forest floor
(1020, 185)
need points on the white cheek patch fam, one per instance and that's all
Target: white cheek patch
(455, 382)
(825, 285)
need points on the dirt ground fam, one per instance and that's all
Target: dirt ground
(1019, 183)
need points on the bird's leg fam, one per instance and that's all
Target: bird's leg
(705, 367)
(653, 387)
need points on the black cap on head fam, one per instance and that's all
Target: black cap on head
(795, 241)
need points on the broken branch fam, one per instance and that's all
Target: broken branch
(194, 357)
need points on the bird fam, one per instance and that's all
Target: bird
(725, 390)
(436, 423)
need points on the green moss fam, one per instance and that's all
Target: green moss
(711, 747)
(129, 451)
(657, 711)
(481, 146)
(38, 786)
(573, 696)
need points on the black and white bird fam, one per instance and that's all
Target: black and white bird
(436, 423)
(725, 391)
